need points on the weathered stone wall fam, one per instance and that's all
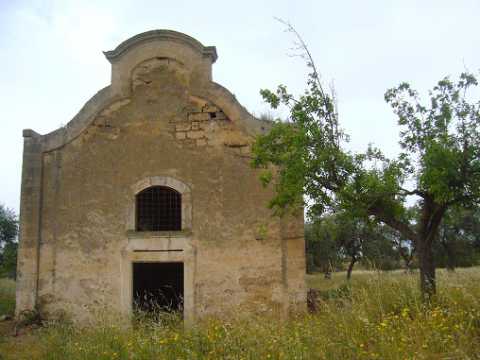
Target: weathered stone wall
(166, 120)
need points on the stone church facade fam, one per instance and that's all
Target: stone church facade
(149, 186)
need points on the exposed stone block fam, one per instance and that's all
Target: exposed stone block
(195, 125)
(210, 108)
(201, 142)
(181, 135)
(199, 116)
(195, 134)
(185, 126)
(235, 139)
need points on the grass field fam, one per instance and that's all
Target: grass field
(377, 316)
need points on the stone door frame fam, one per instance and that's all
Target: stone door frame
(160, 246)
(159, 250)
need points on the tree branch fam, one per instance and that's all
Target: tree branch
(400, 226)
(435, 222)
(413, 192)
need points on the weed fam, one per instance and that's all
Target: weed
(376, 316)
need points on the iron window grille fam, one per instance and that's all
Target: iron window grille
(159, 208)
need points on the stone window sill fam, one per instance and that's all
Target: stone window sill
(133, 234)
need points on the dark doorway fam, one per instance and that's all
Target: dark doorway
(158, 286)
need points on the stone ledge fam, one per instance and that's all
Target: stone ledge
(133, 234)
(29, 133)
(158, 244)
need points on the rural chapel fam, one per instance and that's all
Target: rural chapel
(147, 197)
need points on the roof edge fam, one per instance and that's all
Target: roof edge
(208, 51)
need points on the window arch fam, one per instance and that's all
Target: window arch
(158, 208)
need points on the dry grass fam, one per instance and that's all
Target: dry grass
(377, 316)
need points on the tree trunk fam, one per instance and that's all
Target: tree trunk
(407, 259)
(432, 215)
(350, 267)
(330, 269)
(450, 256)
(326, 272)
(427, 269)
(450, 262)
(448, 248)
(408, 265)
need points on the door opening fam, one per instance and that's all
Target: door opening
(158, 286)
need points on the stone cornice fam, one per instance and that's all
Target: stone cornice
(168, 35)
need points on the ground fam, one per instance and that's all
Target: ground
(379, 315)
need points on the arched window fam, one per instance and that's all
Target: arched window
(159, 208)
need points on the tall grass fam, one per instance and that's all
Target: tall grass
(7, 296)
(377, 316)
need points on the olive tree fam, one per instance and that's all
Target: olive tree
(438, 167)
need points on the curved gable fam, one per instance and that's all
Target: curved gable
(133, 57)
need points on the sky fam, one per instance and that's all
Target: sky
(51, 59)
